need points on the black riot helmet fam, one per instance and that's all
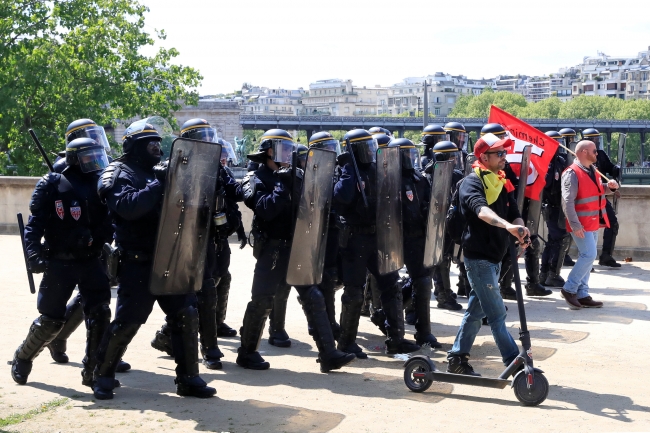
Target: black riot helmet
(325, 140)
(86, 153)
(569, 136)
(280, 141)
(379, 130)
(382, 139)
(592, 134)
(457, 134)
(410, 155)
(302, 152)
(198, 129)
(228, 154)
(494, 128)
(432, 134)
(81, 128)
(557, 137)
(138, 133)
(362, 143)
(447, 150)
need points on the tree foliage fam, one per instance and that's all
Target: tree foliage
(63, 60)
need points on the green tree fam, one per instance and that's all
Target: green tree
(61, 60)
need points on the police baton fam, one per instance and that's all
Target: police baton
(356, 172)
(40, 148)
(294, 199)
(21, 228)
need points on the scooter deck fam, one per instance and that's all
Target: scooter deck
(463, 379)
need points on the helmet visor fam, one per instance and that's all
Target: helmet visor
(365, 150)
(94, 159)
(432, 139)
(329, 144)
(202, 134)
(597, 139)
(410, 158)
(95, 132)
(459, 138)
(228, 156)
(283, 150)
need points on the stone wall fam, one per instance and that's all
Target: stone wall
(633, 237)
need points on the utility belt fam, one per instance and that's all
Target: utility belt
(72, 256)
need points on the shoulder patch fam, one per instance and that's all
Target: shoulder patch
(108, 177)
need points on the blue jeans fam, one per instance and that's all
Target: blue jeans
(578, 280)
(484, 300)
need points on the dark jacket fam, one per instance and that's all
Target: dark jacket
(416, 195)
(348, 201)
(482, 241)
(271, 203)
(135, 202)
(553, 188)
(606, 166)
(67, 212)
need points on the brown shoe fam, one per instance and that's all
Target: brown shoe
(571, 299)
(590, 303)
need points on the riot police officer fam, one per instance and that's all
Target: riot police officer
(431, 135)
(606, 167)
(358, 246)
(74, 316)
(445, 151)
(66, 211)
(554, 217)
(226, 221)
(268, 192)
(569, 137)
(133, 191)
(416, 196)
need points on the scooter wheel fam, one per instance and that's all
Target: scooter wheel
(536, 394)
(417, 366)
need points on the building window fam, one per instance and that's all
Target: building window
(436, 111)
(611, 86)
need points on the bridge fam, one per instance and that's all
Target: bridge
(313, 124)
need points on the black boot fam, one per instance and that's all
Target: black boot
(608, 260)
(162, 340)
(422, 288)
(74, 315)
(96, 325)
(554, 280)
(536, 289)
(185, 342)
(251, 333)
(463, 283)
(350, 314)
(458, 364)
(392, 305)
(223, 290)
(41, 333)
(111, 349)
(328, 289)
(207, 310)
(378, 318)
(329, 358)
(277, 334)
(531, 258)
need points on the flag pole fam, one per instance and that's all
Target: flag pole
(574, 154)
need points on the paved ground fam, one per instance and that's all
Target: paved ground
(595, 361)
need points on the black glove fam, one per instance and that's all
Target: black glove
(242, 242)
(343, 159)
(284, 173)
(36, 265)
(160, 171)
(429, 168)
(241, 237)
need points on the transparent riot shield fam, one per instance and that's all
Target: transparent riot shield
(390, 248)
(571, 155)
(188, 204)
(310, 231)
(622, 141)
(471, 159)
(438, 206)
(523, 176)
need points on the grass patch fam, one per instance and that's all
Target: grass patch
(16, 418)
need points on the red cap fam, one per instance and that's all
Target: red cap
(489, 141)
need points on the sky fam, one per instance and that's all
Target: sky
(289, 43)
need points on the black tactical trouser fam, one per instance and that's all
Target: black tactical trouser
(610, 233)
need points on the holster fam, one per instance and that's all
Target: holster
(112, 255)
(259, 239)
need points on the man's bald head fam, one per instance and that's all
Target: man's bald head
(586, 152)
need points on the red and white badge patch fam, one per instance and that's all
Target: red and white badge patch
(58, 205)
(75, 211)
(409, 195)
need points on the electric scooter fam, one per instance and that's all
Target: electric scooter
(529, 384)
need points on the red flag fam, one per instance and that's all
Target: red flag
(544, 148)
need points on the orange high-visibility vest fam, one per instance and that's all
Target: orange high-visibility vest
(590, 202)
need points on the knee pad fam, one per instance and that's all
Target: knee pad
(352, 295)
(101, 313)
(225, 280)
(45, 327)
(314, 299)
(187, 320)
